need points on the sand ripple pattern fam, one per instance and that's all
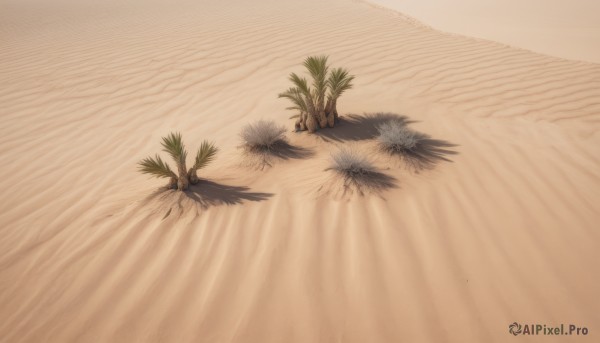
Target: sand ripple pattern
(507, 230)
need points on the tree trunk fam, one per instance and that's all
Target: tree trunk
(300, 124)
(183, 181)
(329, 114)
(311, 123)
(334, 110)
(321, 116)
(330, 119)
(322, 119)
(193, 176)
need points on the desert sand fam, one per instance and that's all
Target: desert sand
(504, 228)
(568, 29)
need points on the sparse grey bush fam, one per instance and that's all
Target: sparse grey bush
(262, 135)
(395, 137)
(350, 164)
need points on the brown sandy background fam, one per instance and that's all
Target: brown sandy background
(507, 230)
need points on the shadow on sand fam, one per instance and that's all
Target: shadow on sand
(208, 193)
(281, 151)
(373, 182)
(427, 153)
(354, 127)
(343, 186)
(203, 195)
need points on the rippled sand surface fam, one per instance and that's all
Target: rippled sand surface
(500, 224)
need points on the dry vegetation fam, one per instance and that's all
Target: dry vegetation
(262, 136)
(264, 142)
(350, 164)
(396, 138)
(355, 173)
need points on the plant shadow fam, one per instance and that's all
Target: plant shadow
(209, 193)
(354, 127)
(203, 195)
(344, 186)
(372, 182)
(283, 151)
(427, 153)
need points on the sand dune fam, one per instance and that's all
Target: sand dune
(503, 230)
(569, 29)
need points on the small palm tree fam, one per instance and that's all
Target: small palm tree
(305, 93)
(310, 100)
(338, 82)
(173, 145)
(317, 68)
(295, 95)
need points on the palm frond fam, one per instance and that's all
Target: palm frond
(294, 94)
(339, 81)
(317, 67)
(205, 155)
(156, 167)
(173, 145)
(300, 83)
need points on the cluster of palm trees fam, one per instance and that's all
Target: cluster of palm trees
(317, 103)
(173, 145)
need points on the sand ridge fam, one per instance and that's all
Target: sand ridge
(557, 28)
(509, 223)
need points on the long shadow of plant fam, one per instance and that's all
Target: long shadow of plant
(208, 193)
(417, 149)
(428, 153)
(354, 127)
(204, 195)
(282, 150)
(374, 182)
(354, 172)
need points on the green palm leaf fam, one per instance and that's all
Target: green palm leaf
(205, 155)
(317, 67)
(173, 145)
(338, 82)
(294, 94)
(300, 83)
(156, 167)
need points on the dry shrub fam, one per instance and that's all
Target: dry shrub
(350, 164)
(264, 143)
(396, 138)
(356, 174)
(263, 135)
